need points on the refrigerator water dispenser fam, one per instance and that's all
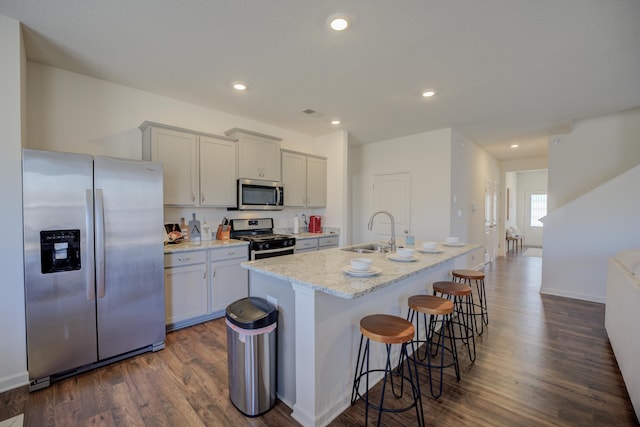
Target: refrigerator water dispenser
(59, 251)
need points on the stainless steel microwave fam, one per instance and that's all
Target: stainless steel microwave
(259, 195)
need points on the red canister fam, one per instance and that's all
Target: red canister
(315, 224)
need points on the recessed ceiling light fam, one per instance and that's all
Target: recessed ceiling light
(239, 86)
(428, 93)
(339, 22)
(515, 145)
(335, 122)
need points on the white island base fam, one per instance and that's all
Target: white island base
(320, 309)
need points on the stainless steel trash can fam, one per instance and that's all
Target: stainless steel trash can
(251, 348)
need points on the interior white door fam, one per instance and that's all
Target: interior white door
(392, 192)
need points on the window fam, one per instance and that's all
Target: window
(538, 208)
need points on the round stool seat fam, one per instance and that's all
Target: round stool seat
(429, 304)
(468, 274)
(452, 288)
(386, 328)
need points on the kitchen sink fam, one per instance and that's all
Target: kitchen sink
(368, 248)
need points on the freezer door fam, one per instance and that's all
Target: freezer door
(129, 255)
(59, 284)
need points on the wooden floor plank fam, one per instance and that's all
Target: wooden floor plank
(542, 361)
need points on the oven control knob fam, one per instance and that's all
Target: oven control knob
(265, 246)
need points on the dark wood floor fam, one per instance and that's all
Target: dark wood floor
(544, 361)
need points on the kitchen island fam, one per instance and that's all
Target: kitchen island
(320, 308)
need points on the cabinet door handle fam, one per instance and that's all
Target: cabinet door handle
(231, 253)
(184, 259)
(193, 196)
(202, 196)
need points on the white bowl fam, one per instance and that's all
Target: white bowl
(361, 264)
(453, 239)
(404, 252)
(429, 245)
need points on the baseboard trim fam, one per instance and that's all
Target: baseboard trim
(14, 381)
(572, 295)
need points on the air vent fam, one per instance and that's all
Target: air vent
(312, 113)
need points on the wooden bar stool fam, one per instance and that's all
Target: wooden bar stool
(389, 330)
(439, 310)
(467, 277)
(463, 307)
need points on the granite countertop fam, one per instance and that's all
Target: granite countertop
(210, 244)
(322, 270)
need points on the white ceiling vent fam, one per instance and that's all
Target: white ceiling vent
(312, 113)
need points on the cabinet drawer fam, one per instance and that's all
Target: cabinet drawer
(184, 258)
(303, 244)
(231, 252)
(328, 241)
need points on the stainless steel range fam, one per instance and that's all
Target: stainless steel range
(263, 243)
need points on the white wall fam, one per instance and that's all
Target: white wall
(72, 112)
(13, 360)
(597, 150)
(524, 164)
(335, 147)
(75, 113)
(580, 237)
(427, 156)
(472, 170)
(442, 164)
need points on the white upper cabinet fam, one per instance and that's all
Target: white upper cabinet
(177, 151)
(217, 172)
(305, 180)
(316, 182)
(294, 177)
(258, 155)
(199, 169)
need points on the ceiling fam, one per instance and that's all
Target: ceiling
(505, 71)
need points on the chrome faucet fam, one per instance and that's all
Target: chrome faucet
(392, 242)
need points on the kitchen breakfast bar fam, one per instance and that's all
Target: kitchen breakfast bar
(320, 307)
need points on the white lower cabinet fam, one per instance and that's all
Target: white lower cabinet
(200, 284)
(228, 280)
(186, 288)
(328, 242)
(306, 245)
(316, 243)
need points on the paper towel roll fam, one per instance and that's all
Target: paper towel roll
(296, 225)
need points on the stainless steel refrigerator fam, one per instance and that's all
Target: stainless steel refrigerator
(93, 255)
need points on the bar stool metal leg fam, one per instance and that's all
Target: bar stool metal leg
(467, 277)
(464, 312)
(394, 330)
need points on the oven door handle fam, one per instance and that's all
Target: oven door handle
(270, 251)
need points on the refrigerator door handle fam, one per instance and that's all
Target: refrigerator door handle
(90, 267)
(99, 244)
